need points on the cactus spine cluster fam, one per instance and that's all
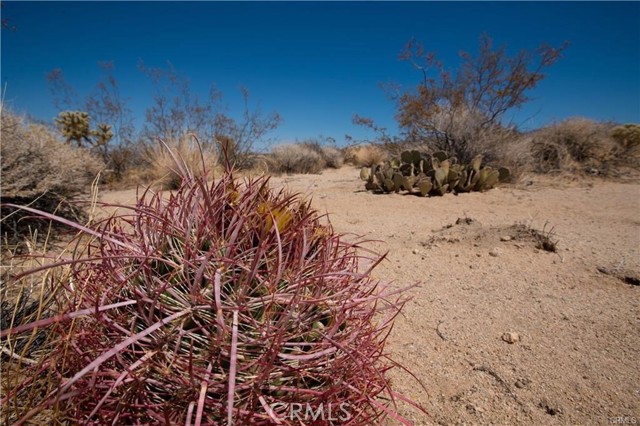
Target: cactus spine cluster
(435, 174)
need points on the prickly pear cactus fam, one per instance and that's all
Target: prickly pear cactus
(416, 173)
(365, 173)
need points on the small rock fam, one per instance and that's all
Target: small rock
(522, 383)
(511, 337)
(495, 252)
(472, 409)
(415, 251)
(505, 238)
(633, 280)
(464, 221)
(550, 408)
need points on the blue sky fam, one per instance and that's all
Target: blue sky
(318, 64)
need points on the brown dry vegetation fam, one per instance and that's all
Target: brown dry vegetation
(161, 166)
(572, 148)
(303, 158)
(40, 170)
(35, 161)
(576, 146)
(366, 155)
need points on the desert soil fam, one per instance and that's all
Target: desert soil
(498, 331)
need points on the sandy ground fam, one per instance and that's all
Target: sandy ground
(576, 358)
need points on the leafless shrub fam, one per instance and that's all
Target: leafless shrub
(365, 155)
(576, 145)
(177, 110)
(452, 111)
(627, 137)
(331, 155)
(296, 158)
(35, 162)
(515, 155)
(40, 170)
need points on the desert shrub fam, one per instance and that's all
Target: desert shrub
(126, 165)
(627, 137)
(40, 170)
(365, 155)
(451, 109)
(161, 167)
(296, 158)
(331, 156)
(224, 303)
(574, 145)
(516, 155)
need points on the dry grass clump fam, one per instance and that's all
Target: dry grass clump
(365, 155)
(40, 170)
(161, 168)
(296, 158)
(331, 156)
(516, 155)
(224, 303)
(544, 239)
(575, 145)
(304, 157)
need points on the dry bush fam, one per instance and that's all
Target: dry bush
(451, 108)
(35, 161)
(576, 145)
(126, 166)
(466, 132)
(161, 168)
(467, 136)
(40, 170)
(365, 155)
(296, 158)
(331, 156)
(516, 156)
(627, 137)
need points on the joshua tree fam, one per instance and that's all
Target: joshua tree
(102, 135)
(74, 126)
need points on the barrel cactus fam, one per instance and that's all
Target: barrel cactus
(221, 303)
